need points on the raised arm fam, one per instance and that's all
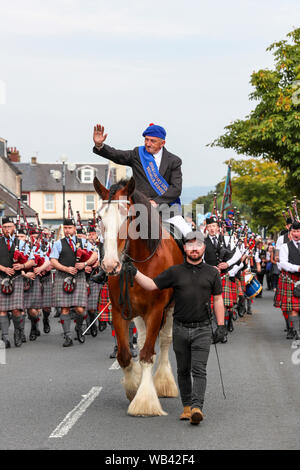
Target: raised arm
(121, 157)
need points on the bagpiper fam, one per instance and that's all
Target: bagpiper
(70, 282)
(13, 253)
(287, 296)
(38, 295)
(222, 252)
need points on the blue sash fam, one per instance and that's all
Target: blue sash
(157, 182)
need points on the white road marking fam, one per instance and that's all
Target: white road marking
(71, 418)
(115, 366)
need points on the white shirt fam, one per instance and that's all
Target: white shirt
(157, 157)
(284, 259)
(279, 242)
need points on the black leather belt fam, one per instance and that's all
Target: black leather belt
(192, 325)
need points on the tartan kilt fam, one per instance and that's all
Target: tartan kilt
(14, 301)
(93, 296)
(103, 300)
(243, 281)
(78, 298)
(47, 291)
(239, 288)
(33, 296)
(229, 291)
(284, 297)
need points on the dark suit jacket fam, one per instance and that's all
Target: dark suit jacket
(170, 169)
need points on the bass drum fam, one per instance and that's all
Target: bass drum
(253, 288)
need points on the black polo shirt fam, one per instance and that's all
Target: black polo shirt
(193, 286)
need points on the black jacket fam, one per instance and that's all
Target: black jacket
(170, 169)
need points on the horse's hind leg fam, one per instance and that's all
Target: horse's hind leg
(163, 379)
(146, 402)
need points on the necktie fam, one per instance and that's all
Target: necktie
(215, 241)
(71, 244)
(8, 244)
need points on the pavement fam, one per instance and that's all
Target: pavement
(72, 398)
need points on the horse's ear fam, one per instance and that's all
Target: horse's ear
(100, 189)
(130, 187)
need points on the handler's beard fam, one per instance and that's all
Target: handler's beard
(194, 256)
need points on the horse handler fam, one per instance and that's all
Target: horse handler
(193, 282)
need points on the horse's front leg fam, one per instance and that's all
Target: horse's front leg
(163, 378)
(146, 402)
(131, 369)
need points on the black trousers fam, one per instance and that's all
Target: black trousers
(191, 347)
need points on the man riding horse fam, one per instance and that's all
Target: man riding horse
(156, 171)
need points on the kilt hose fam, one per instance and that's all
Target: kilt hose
(284, 297)
(93, 296)
(33, 296)
(103, 300)
(15, 300)
(78, 298)
(47, 288)
(229, 291)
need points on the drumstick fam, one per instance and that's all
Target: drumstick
(96, 318)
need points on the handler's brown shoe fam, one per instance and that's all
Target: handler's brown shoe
(186, 413)
(197, 416)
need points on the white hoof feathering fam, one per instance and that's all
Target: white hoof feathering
(132, 379)
(146, 402)
(164, 381)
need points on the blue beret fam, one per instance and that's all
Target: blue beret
(155, 131)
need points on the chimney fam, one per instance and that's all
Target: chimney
(33, 160)
(13, 155)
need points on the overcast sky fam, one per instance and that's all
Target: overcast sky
(186, 65)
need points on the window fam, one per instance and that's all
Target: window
(25, 198)
(87, 175)
(89, 202)
(49, 203)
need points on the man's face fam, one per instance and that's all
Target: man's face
(22, 237)
(295, 235)
(213, 229)
(194, 250)
(81, 235)
(69, 230)
(8, 229)
(92, 236)
(153, 144)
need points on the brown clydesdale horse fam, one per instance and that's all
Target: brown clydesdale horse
(151, 250)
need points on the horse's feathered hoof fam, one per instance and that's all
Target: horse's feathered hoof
(164, 382)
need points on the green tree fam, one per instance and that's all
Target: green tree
(272, 130)
(261, 186)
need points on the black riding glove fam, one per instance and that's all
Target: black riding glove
(220, 334)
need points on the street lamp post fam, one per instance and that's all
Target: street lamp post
(63, 159)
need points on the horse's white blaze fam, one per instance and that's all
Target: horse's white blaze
(163, 379)
(112, 221)
(146, 402)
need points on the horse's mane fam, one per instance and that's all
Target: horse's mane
(149, 218)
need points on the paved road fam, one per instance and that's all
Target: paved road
(42, 382)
